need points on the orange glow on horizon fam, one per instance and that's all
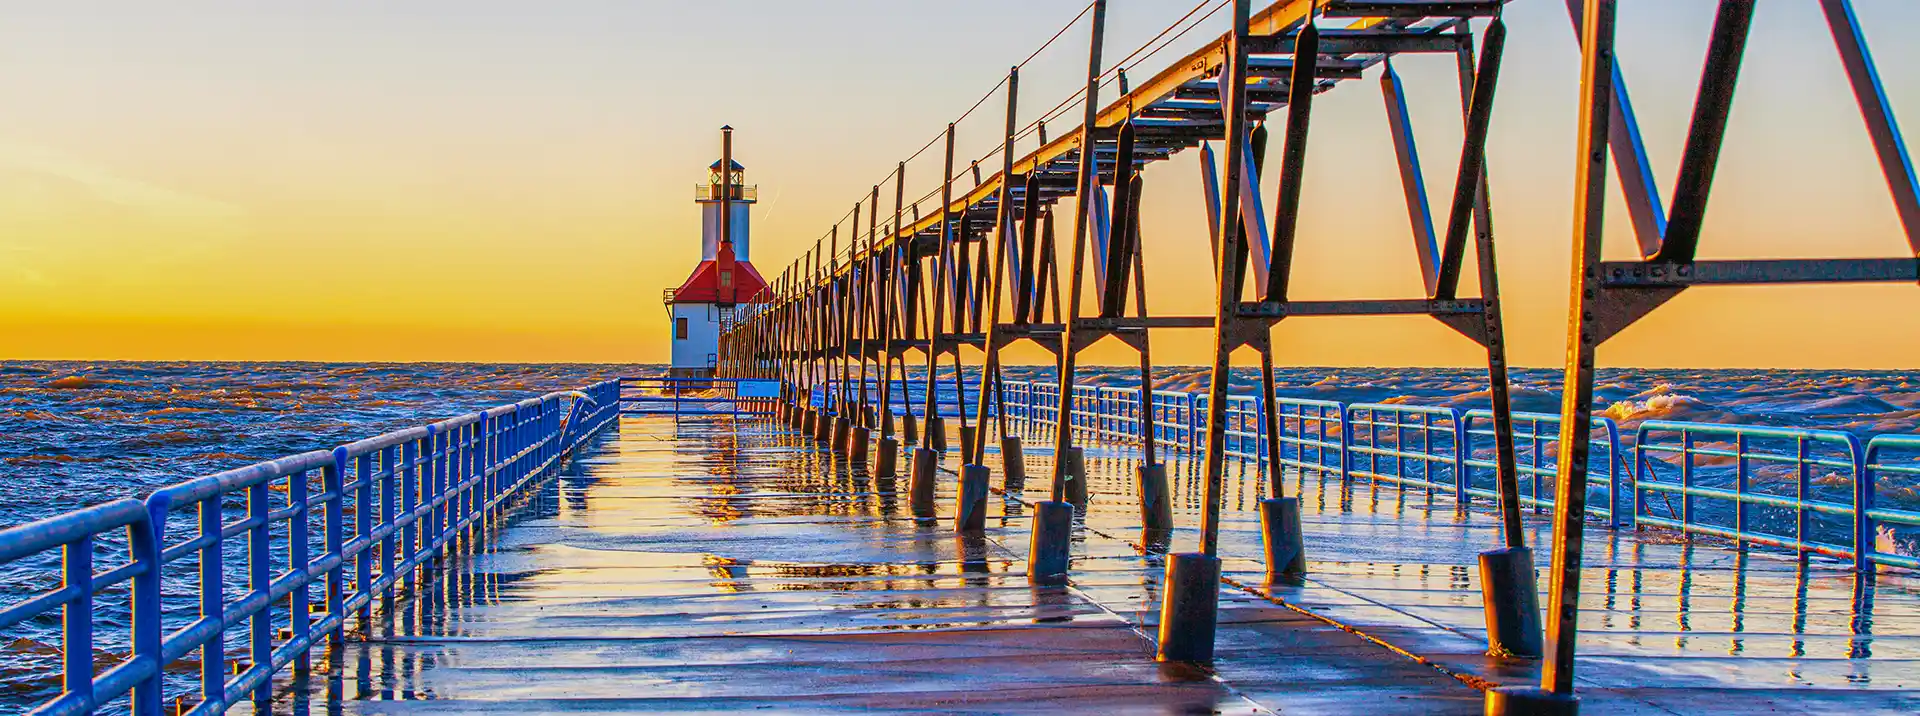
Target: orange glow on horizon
(359, 183)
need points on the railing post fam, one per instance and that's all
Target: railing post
(77, 624)
(363, 514)
(1686, 479)
(410, 502)
(299, 556)
(260, 582)
(1863, 494)
(1803, 485)
(1193, 423)
(1461, 452)
(517, 442)
(213, 654)
(1615, 470)
(144, 538)
(461, 485)
(497, 477)
(1346, 444)
(389, 495)
(334, 479)
(437, 490)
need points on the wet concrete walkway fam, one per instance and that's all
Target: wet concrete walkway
(709, 566)
(1671, 624)
(706, 565)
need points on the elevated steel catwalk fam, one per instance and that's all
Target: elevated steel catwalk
(1179, 108)
(923, 284)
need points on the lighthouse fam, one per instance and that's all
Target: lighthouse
(705, 304)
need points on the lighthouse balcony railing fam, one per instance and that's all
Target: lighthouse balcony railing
(711, 192)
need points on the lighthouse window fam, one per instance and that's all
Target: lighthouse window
(679, 329)
(726, 278)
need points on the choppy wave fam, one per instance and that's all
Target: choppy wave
(1866, 402)
(80, 433)
(84, 432)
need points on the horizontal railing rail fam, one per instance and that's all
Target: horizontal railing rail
(1892, 456)
(1407, 445)
(1808, 491)
(1757, 484)
(1536, 447)
(351, 523)
(697, 396)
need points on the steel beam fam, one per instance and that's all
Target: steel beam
(1063, 433)
(1888, 144)
(1576, 408)
(1627, 274)
(1707, 131)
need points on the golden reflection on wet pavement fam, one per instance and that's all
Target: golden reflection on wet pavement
(714, 566)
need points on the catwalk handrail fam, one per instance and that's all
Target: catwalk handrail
(1660, 474)
(414, 495)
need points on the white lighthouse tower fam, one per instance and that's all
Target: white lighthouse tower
(704, 305)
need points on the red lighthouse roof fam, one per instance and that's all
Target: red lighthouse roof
(722, 280)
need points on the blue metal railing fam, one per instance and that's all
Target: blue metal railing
(75, 534)
(1536, 446)
(697, 396)
(1407, 445)
(353, 523)
(1761, 479)
(1809, 491)
(1892, 456)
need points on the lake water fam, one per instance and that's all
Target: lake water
(79, 433)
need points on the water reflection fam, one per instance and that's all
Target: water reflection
(745, 532)
(1392, 556)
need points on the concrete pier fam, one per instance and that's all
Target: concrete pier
(720, 565)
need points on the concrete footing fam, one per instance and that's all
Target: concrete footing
(920, 482)
(1156, 503)
(887, 462)
(1075, 462)
(1013, 462)
(1530, 701)
(935, 433)
(857, 442)
(1280, 533)
(1190, 608)
(909, 430)
(842, 432)
(807, 417)
(1051, 545)
(1510, 593)
(823, 428)
(967, 435)
(970, 513)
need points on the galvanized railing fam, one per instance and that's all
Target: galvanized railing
(352, 523)
(1805, 490)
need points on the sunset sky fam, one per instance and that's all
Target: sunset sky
(486, 180)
